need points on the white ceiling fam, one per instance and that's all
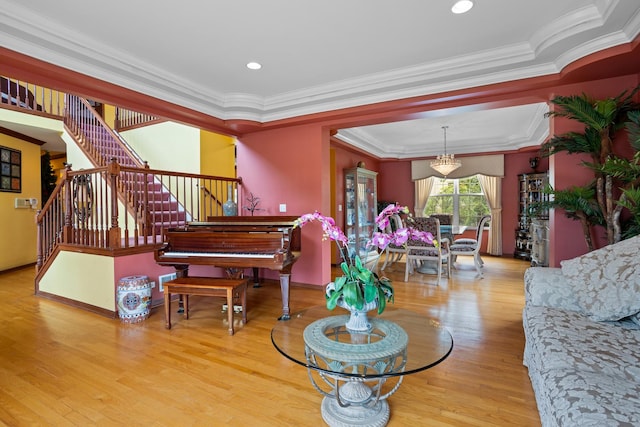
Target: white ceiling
(320, 56)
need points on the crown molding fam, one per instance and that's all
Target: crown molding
(555, 45)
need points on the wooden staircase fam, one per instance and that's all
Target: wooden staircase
(104, 145)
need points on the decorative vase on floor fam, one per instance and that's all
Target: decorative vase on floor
(230, 208)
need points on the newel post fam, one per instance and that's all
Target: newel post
(113, 170)
(67, 229)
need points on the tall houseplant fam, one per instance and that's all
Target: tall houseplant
(601, 201)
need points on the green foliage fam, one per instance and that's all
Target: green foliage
(631, 201)
(575, 201)
(358, 286)
(606, 114)
(598, 203)
(472, 205)
(573, 142)
(633, 129)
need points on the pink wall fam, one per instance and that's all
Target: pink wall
(290, 166)
(395, 183)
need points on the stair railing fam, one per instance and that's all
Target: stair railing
(84, 213)
(94, 136)
(102, 144)
(30, 98)
(127, 119)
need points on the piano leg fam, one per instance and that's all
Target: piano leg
(256, 278)
(284, 289)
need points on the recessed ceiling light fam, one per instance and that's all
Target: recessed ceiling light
(462, 6)
(254, 65)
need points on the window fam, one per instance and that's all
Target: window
(461, 197)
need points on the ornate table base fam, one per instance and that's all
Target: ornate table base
(363, 409)
(357, 359)
(356, 372)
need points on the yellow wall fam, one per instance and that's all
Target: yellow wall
(18, 226)
(82, 277)
(217, 154)
(167, 146)
(57, 165)
(109, 112)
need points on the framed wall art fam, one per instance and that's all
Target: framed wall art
(10, 170)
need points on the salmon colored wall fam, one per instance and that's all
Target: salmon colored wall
(395, 185)
(17, 226)
(291, 166)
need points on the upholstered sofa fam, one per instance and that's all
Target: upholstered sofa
(582, 351)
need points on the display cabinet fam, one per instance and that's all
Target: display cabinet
(539, 242)
(531, 191)
(360, 199)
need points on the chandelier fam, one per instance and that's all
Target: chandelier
(445, 163)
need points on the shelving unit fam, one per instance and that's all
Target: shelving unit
(361, 208)
(539, 242)
(530, 192)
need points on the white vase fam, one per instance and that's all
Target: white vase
(358, 320)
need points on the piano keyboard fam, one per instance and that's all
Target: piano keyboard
(215, 254)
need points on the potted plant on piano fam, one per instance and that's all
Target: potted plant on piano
(360, 289)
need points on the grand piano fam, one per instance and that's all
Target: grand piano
(235, 243)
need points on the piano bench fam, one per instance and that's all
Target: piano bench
(206, 286)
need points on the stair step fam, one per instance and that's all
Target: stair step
(167, 216)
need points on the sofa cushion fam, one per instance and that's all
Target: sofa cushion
(563, 339)
(547, 286)
(606, 282)
(574, 398)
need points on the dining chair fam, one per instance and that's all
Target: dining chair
(470, 247)
(436, 254)
(444, 218)
(393, 253)
(446, 221)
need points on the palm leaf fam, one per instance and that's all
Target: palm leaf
(633, 128)
(573, 142)
(623, 169)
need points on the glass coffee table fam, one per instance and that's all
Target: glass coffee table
(357, 371)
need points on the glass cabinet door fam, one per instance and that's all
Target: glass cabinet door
(360, 207)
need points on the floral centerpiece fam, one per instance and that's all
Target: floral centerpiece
(359, 286)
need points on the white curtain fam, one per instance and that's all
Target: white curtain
(422, 191)
(492, 188)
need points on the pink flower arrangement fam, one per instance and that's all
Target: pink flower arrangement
(360, 285)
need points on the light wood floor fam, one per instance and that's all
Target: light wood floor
(62, 366)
